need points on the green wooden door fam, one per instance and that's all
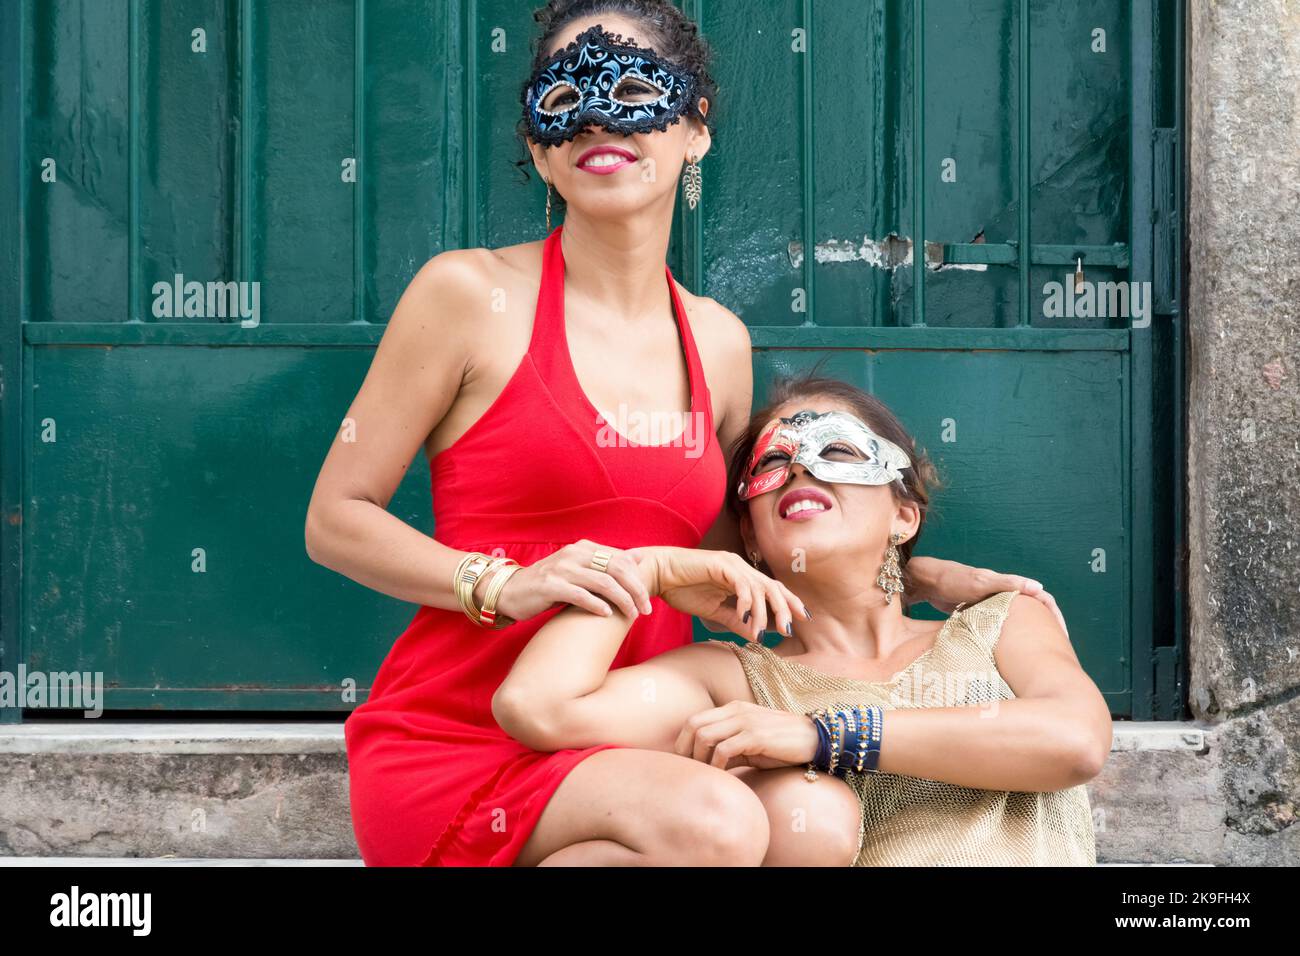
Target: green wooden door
(159, 450)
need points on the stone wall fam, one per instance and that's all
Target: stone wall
(1243, 322)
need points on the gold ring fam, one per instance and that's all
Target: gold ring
(600, 560)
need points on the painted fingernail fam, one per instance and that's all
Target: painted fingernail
(745, 619)
(789, 628)
(807, 613)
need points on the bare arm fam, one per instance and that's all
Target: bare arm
(561, 693)
(413, 379)
(1055, 734)
(424, 363)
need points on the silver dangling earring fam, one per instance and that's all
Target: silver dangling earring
(548, 205)
(694, 184)
(890, 579)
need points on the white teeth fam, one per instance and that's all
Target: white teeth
(804, 504)
(605, 159)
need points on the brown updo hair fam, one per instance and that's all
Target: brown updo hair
(917, 482)
(672, 34)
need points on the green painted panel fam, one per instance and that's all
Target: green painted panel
(412, 113)
(76, 133)
(159, 451)
(752, 206)
(302, 133)
(1028, 452)
(229, 163)
(502, 204)
(187, 155)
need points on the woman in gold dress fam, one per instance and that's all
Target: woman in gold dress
(961, 742)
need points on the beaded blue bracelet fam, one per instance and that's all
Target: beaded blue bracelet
(848, 739)
(871, 745)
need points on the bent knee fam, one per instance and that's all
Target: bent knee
(810, 824)
(717, 821)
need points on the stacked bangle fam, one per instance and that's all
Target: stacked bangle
(846, 739)
(487, 615)
(474, 566)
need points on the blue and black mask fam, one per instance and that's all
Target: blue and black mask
(601, 79)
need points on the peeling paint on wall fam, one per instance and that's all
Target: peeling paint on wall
(890, 253)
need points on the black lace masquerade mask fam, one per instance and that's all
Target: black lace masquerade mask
(599, 78)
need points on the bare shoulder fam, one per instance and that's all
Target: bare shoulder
(726, 353)
(714, 323)
(714, 664)
(462, 298)
(1029, 632)
(1027, 615)
(468, 277)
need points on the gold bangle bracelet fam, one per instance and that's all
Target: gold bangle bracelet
(468, 572)
(487, 615)
(469, 581)
(473, 568)
(456, 575)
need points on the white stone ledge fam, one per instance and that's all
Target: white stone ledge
(80, 861)
(1150, 735)
(235, 737)
(170, 737)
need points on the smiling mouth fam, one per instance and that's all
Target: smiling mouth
(804, 507)
(606, 160)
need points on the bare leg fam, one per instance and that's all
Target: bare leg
(647, 808)
(811, 824)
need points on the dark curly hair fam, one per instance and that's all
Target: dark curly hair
(669, 31)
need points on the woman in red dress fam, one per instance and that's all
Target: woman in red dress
(535, 378)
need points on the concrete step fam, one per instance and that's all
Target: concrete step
(106, 861)
(225, 793)
(110, 861)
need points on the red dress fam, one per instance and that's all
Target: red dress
(433, 780)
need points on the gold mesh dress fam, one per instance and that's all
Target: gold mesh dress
(909, 821)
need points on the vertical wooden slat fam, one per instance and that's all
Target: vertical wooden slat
(359, 154)
(135, 104)
(247, 263)
(1180, 473)
(918, 162)
(693, 221)
(808, 143)
(1022, 160)
(1141, 556)
(15, 168)
(469, 150)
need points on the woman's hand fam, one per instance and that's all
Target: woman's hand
(945, 584)
(720, 586)
(567, 577)
(741, 734)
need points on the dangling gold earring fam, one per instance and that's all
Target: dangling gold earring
(890, 579)
(548, 205)
(694, 184)
(753, 558)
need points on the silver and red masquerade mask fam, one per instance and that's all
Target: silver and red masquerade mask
(833, 446)
(600, 79)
